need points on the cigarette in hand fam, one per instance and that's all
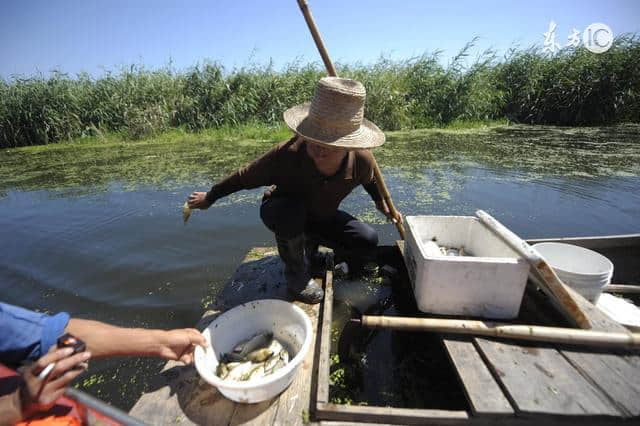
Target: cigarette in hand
(47, 370)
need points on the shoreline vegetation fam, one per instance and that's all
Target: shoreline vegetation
(573, 87)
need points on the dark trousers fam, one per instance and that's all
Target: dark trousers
(345, 234)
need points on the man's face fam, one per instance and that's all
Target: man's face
(323, 153)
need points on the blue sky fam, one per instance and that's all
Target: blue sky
(93, 36)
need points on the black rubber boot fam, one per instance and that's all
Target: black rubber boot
(299, 281)
(315, 259)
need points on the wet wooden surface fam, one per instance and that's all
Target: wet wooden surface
(541, 381)
(179, 396)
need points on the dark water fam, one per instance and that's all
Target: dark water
(120, 253)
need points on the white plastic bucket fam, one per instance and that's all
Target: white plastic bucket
(289, 325)
(582, 269)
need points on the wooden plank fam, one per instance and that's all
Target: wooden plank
(613, 375)
(483, 393)
(539, 380)
(620, 385)
(598, 319)
(294, 404)
(325, 340)
(596, 367)
(499, 421)
(408, 416)
(585, 364)
(616, 375)
(589, 365)
(338, 423)
(262, 413)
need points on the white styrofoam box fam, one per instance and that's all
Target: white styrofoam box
(489, 283)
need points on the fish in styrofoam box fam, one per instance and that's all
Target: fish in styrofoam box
(487, 281)
(434, 250)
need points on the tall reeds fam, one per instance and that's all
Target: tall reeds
(572, 87)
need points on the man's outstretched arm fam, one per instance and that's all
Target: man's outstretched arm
(260, 172)
(105, 340)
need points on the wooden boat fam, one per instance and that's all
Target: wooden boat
(504, 382)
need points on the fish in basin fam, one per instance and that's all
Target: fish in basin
(256, 357)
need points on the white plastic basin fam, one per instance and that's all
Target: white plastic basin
(289, 325)
(582, 269)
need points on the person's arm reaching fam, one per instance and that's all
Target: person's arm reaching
(30, 336)
(27, 336)
(104, 340)
(258, 173)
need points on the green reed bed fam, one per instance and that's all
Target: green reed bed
(572, 87)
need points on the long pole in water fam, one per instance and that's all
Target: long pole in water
(570, 336)
(382, 187)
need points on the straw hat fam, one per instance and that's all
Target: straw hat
(335, 116)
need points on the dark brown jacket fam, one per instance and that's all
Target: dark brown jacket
(292, 173)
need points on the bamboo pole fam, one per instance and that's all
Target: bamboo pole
(382, 187)
(621, 288)
(554, 286)
(507, 331)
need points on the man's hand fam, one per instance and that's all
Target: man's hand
(178, 345)
(198, 200)
(40, 394)
(384, 209)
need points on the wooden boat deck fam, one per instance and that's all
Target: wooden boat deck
(508, 382)
(180, 396)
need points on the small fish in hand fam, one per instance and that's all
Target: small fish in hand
(186, 212)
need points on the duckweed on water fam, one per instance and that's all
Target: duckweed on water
(167, 161)
(435, 161)
(94, 379)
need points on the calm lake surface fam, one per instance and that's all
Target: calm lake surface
(99, 233)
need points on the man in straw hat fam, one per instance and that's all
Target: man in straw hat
(309, 176)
